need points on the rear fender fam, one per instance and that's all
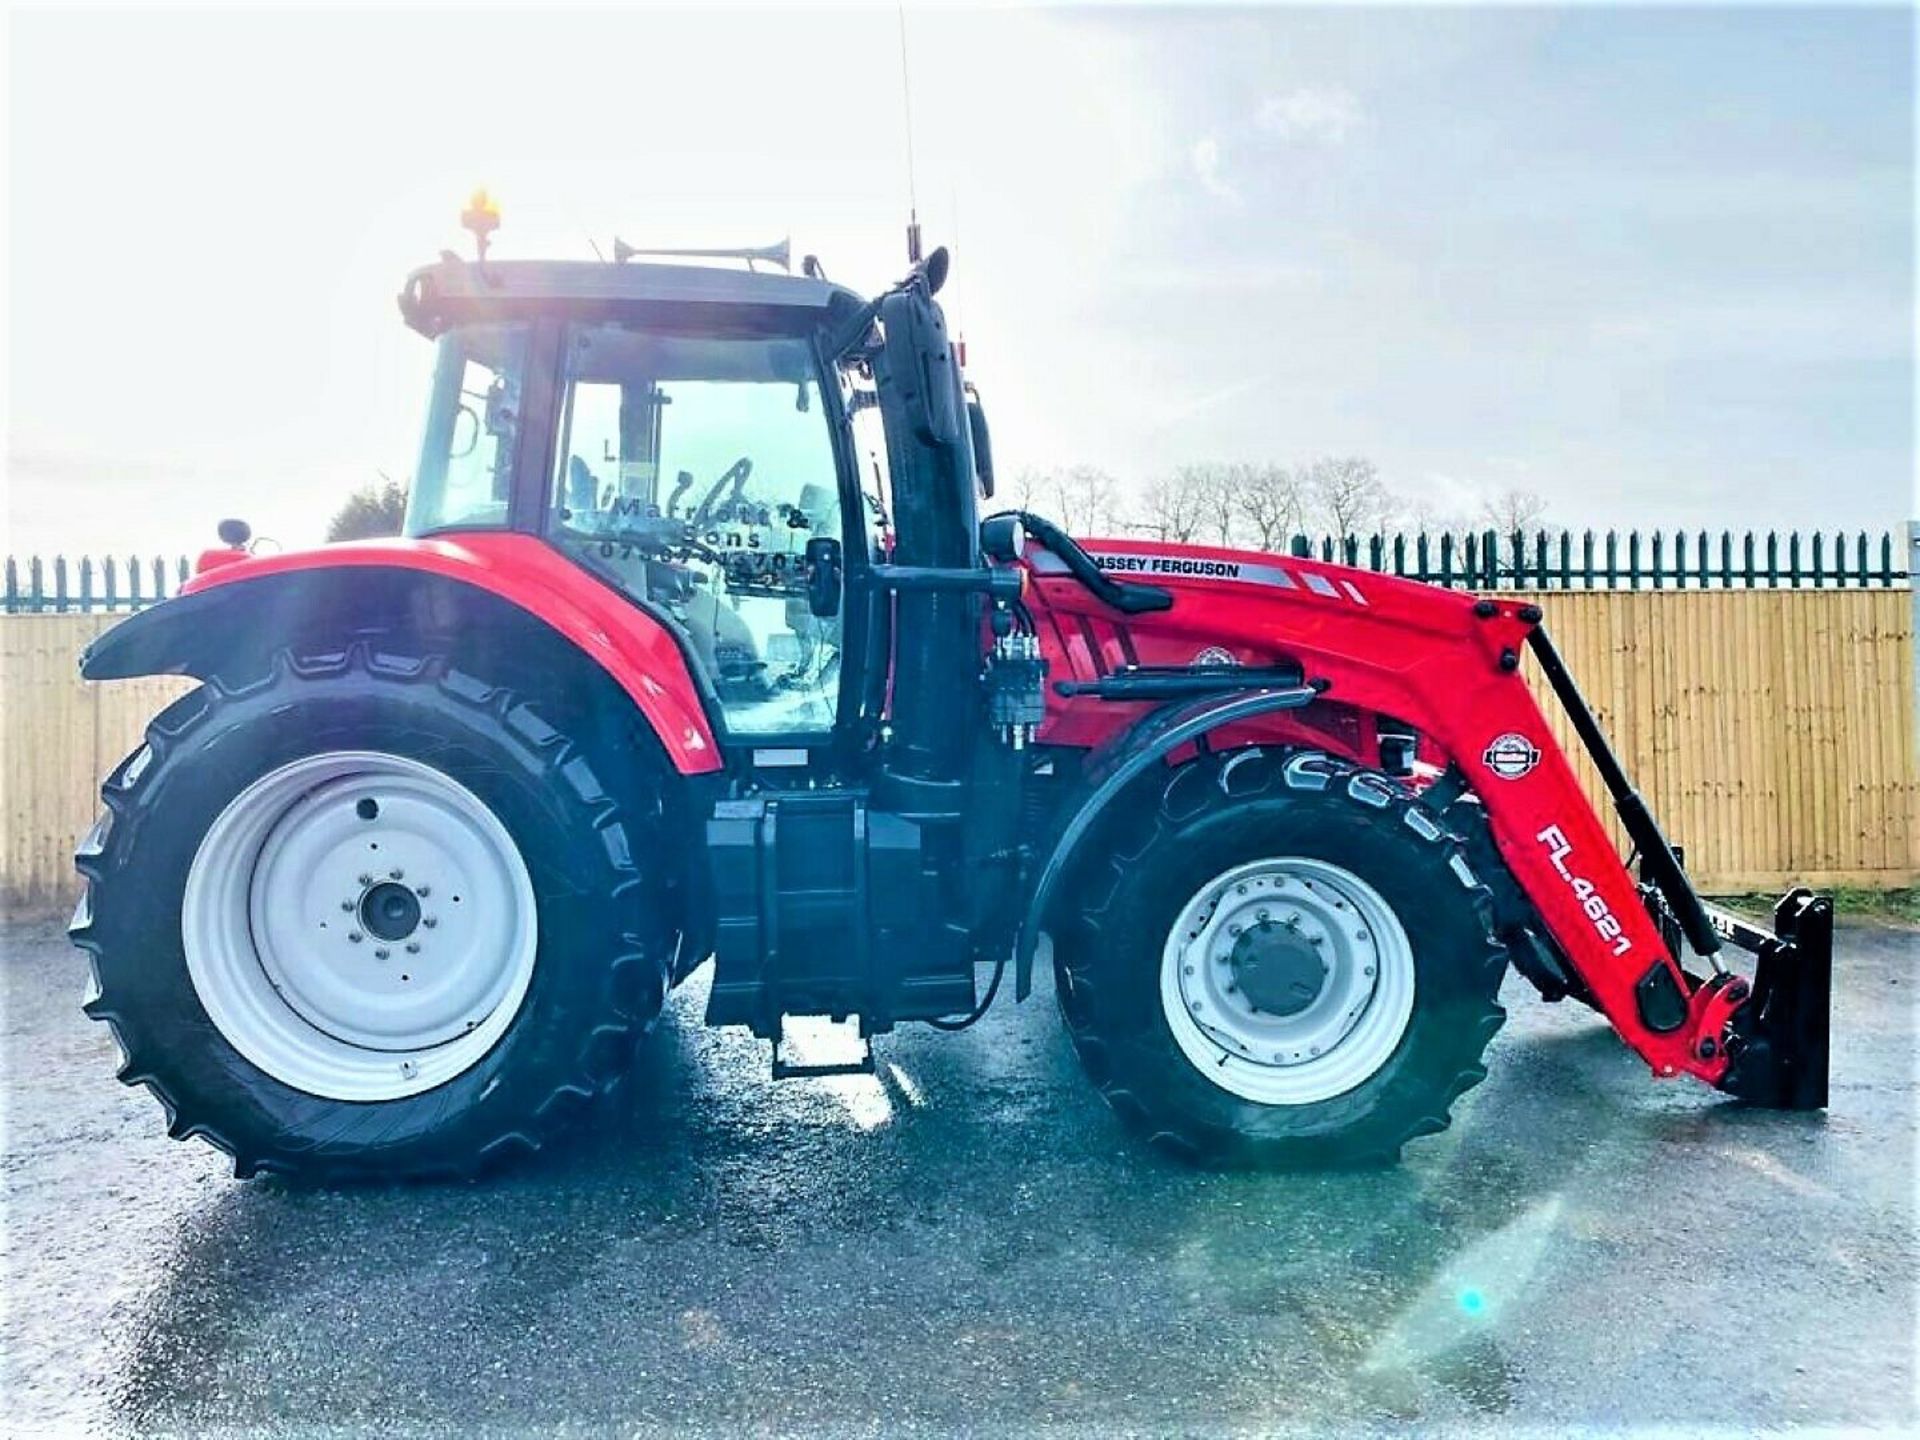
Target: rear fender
(505, 594)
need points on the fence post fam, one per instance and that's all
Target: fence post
(86, 584)
(1819, 556)
(1300, 546)
(1913, 592)
(133, 583)
(1704, 575)
(1773, 561)
(13, 587)
(1793, 558)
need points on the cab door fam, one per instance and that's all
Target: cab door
(692, 471)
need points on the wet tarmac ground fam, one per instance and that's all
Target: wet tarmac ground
(967, 1243)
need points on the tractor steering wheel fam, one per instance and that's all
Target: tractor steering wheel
(737, 474)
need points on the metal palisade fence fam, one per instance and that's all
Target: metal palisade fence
(1477, 560)
(1659, 560)
(91, 586)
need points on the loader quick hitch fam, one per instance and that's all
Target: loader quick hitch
(1778, 1038)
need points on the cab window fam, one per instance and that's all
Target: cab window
(465, 474)
(691, 471)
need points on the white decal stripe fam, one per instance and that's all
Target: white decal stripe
(1150, 566)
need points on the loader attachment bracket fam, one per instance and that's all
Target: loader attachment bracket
(1778, 1041)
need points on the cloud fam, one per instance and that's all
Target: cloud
(1312, 115)
(1208, 167)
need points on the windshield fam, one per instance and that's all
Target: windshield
(465, 473)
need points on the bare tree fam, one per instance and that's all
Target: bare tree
(1423, 517)
(1513, 509)
(1272, 502)
(1027, 489)
(1174, 506)
(1217, 489)
(1084, 498)
(371, 511)
(1346, 495)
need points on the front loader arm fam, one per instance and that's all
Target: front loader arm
(1450, 666)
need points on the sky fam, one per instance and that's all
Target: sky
(1653, 264)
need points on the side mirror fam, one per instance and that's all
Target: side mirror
(921, 364)
(823, 576)
(982, 443)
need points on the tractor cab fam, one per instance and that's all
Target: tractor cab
(690, 436)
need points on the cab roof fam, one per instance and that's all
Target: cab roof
(453, 289)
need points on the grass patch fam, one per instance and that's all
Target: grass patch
(1898, 907)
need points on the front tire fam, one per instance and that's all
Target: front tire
(1282, 960)
(366, 915)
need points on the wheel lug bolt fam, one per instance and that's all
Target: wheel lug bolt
(1367, 971)
(413, 947)
(409, 1069)
(1233, 929)
(394, 874)
(423, 891)
(382, 953)
(366, 879)
(1263, 914)
(347, 905)
(429, 921)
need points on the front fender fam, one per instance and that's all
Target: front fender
(269, 600)
(1115, 766)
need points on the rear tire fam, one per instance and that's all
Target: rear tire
(282, 1021)
(1282, 960)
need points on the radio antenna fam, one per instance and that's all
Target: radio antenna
(906, 105)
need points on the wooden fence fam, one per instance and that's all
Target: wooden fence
(1773, 731)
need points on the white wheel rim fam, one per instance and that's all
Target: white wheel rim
(1321, 1037)
(359, 925)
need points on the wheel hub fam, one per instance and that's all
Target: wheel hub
(390, 911)
(1279, 972)
(1287, 981)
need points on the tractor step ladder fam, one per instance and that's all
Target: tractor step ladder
(784, 1069)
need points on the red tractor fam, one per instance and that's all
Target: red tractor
(697, 647)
